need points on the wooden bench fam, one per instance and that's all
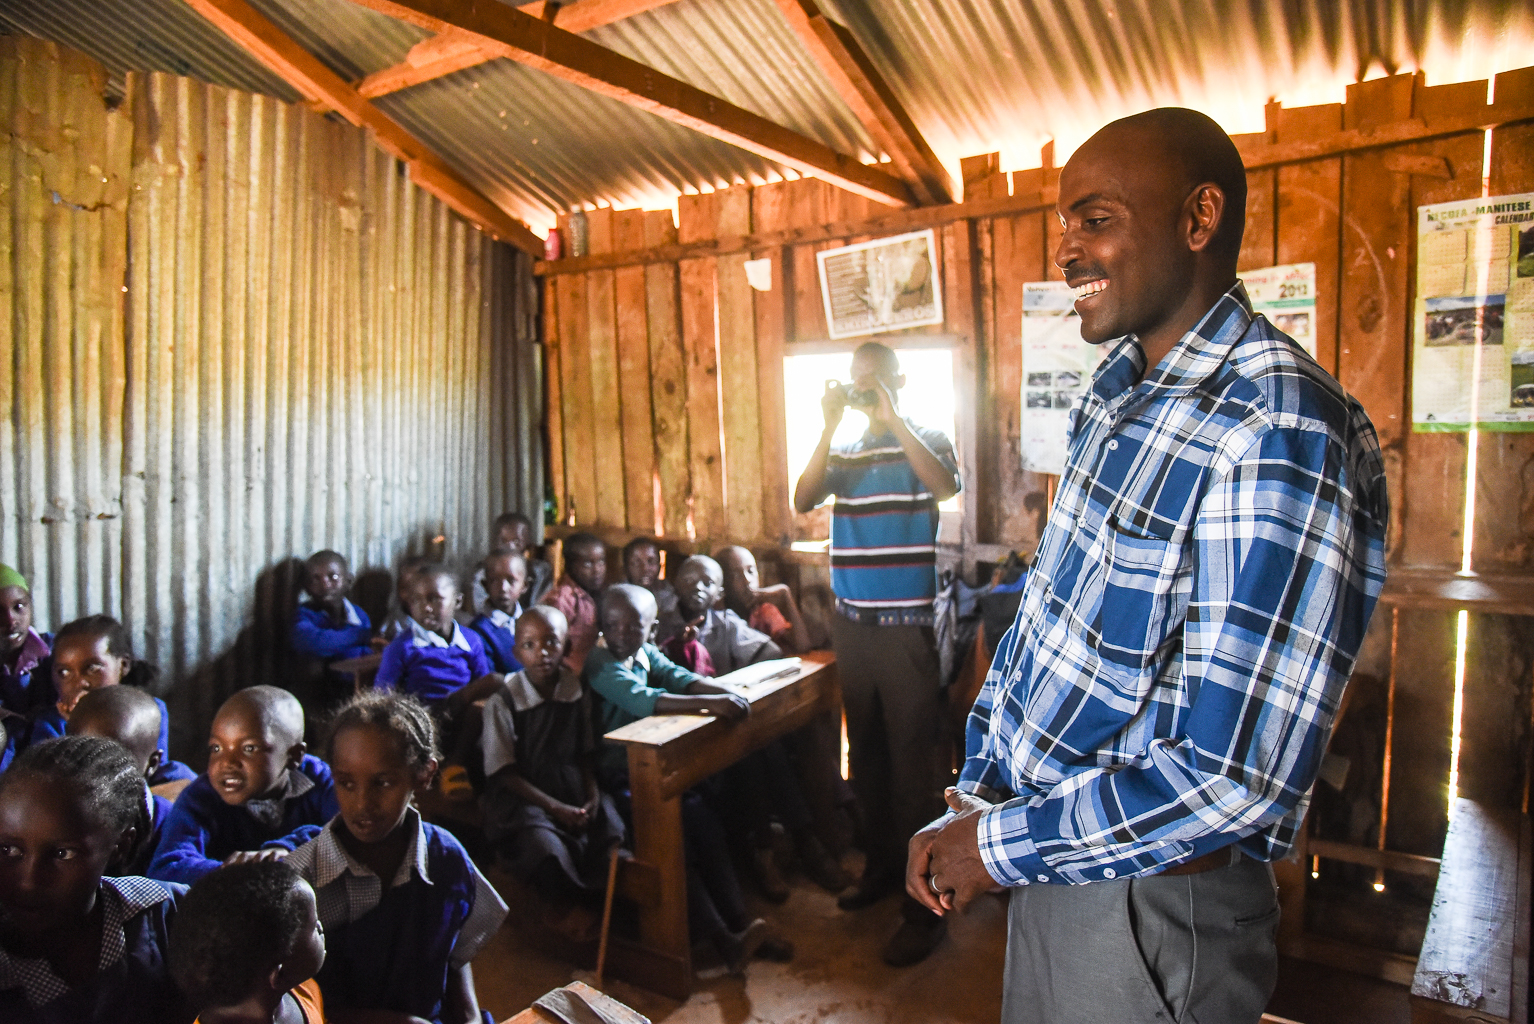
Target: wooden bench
(1474, 964)
(669, 754)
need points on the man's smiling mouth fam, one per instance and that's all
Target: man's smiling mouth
(1090, 288)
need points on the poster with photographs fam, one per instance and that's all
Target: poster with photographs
(1286, 295)
(1057, 368)
(884, 285)
(1473, 325)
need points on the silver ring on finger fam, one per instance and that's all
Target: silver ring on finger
(932, 884)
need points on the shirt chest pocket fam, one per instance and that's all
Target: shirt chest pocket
(1146, 583)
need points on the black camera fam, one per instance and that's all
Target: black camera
(855, 398)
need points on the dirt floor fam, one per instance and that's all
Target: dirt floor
(837, 978)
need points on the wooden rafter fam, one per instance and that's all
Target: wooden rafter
(454, 50)
(860, 85)
(302, 70)
(566, 56)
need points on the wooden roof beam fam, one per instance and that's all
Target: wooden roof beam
(858, 82)
(568, 57)
(455, 50)
(302, 70)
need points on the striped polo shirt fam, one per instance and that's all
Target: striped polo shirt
(884, 529)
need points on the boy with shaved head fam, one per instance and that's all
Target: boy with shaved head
(1147, 738)
(131, 717)
(260, 786)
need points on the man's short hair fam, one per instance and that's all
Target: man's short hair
(578, 541)
(637, 543)
(886, 359)
(233, 926)
(1204, 152)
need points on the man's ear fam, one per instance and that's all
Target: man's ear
(1205, 211)
(155, 760)
(274, 981)
(296, 754)
(124, 845)
(899, 383)
(427, 772)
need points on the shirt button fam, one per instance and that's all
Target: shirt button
(1043, 878)
(1113, 445)
(1109, 873)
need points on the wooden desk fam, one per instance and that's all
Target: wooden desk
(668, 754)
(362, 670)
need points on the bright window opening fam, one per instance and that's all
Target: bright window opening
(927, 400)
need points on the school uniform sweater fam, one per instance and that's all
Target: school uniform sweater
(26, 685)
(131, 985)
(498, 631)
(315, 634)
(422, 663)
(202, 830)
(391, 947)
(48, 723)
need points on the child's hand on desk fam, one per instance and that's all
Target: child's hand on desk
(731, 707)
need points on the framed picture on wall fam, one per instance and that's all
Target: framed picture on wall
(884, 285)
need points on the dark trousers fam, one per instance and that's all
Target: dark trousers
(894, 705)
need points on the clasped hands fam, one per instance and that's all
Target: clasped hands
(943, 867)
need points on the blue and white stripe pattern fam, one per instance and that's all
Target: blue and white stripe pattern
(884, 529)
(1212, 557)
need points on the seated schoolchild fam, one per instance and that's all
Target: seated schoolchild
(444, 666)
(542, 806)
(94, 653)
(770, 610)
(77, 948)
(131, 717)
(715, 641)
(25, 683)
(513, 531)
(503, 576)
(259, 786)
(634, 680)
(328, 626)
(708, 640)
(641, 567)
(403, 906)
(246, 946)
(404, 585)
(577, 592)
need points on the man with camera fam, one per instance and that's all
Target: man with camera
(884, 523)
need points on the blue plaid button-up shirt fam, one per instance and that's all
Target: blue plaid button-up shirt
(1214, 552)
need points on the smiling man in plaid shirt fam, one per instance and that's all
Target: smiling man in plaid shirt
(1151, 727)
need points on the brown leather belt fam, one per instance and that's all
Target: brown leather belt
(1223, 858)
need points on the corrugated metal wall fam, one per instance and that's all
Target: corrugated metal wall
(254, 339)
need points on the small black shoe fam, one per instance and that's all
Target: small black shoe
(867, 892)
(914, 941)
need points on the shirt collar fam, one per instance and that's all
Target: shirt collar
(353, 618)
(33, 650)
(638, 660)
(1193, 360)
(122, 899)
(331, 860)
(423, 637)
(500, 619)
(524, 695)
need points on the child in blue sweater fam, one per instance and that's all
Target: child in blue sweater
(444, 666)
(504, 578)
(403, 906)
(259, 786)
(75, 947)
(25, 685)
(130, 717)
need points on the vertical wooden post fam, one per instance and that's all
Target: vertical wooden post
(700, 342)
(668, 378)
(634, 379)
(606, 394)
(663, 924)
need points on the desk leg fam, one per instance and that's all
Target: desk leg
(658, 842)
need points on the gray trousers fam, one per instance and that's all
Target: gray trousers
(889, 677)
(1198, 949)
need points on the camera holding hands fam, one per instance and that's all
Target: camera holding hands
(874, 402)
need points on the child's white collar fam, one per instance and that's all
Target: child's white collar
(423, 637)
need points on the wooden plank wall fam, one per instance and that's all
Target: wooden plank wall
(683, 436)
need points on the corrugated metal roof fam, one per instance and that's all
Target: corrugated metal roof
(976, 75)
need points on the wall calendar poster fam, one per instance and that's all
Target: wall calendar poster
(1286, 295)
(883, 285)
(1473, 323)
